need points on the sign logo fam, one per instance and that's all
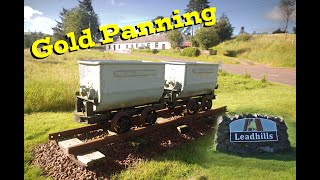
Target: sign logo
(253, 130)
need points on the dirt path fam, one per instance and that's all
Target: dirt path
(273, 74)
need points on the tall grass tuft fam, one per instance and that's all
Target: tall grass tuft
(50, 84)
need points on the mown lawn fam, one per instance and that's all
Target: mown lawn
(49, 91)
(199, 160)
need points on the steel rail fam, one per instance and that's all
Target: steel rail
(75, 131)
(94, 144)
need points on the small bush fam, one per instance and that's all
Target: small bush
(207, 37)
(155, 51)
(229, 53)
(222, 73)
(244, 37)
(264, 78)
(194, 43)
(247, 75)
(235, 53)
(191, 52)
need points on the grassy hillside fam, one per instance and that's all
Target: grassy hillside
(176, 54)
(271, 49)
(49, 101)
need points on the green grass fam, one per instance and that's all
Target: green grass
(199, 160)
(176, 54)
(271, 49)
(50, 85)
(274, 50)
(37, 126)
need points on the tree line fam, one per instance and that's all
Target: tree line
(83, 16)
(30, 37)
(74, 20)
(205, 37)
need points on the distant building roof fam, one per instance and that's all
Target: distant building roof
(150, 38)
(34, 33)
(187, 44)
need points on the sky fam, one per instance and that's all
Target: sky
(253, 15)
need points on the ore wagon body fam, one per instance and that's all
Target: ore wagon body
(191, 78)
(115, 91)
(119, 84)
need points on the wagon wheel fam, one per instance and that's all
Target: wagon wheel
(206, 104)
(170, 106)
(148, 116)
(79, 105)
(192, 106)
(121, 123)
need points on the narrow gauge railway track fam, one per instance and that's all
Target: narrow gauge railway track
(83, 151)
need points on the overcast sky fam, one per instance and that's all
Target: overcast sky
(254, 15)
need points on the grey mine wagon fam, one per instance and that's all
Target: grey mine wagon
(114, 91)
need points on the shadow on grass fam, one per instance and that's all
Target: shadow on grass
(232, 53)
(283, 156)
(202, 153)
(66, 110)
(37, 134)
(53, 107)
(47, 61)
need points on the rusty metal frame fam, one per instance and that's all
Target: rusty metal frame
(97, 143)
(75, 131)
(135, 120)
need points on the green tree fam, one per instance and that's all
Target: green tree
(294, 30)
(92, 21)
(86, 5)
(196, 5)
(175, 38)
(75, 21)
(27, 41)
(224, 28)
(158, 17)
(207, 37)
(287, 9)
(58, 29)
(242, 31)
(31, 37)
(115, 37)
(278, 31)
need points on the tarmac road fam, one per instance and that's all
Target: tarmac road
(273, 74)
(280, 75)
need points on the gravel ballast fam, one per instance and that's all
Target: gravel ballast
(54, 163)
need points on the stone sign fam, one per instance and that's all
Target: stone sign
(253, 130)
(247, 133)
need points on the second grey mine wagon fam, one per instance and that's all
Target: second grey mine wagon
(115, 90)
